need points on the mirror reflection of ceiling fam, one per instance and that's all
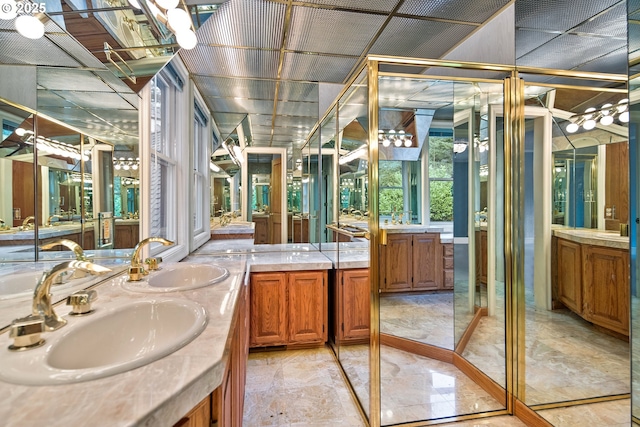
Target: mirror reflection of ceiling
(266, 58)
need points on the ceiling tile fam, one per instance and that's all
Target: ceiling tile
(249, 23)
(66, 79)
(231, 105)
(356, 30)
(298, 108)
(228, 87)
(15, 49)
(419, 38)
(374, 5)
(298, 91)
(226, 61)
(460, 10)
(557, 15)
(317, 68)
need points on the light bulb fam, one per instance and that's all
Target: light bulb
(606, 109)
(134, 166)
(397, 142)
(186, 39)
(624, 117)
(20, 132)
(29, 26)
(572, 127)
(622, 105)
(589, 124)
(589, 110)
(116, 166)
(407, 142)
(167, 4)
(179, 20)
(125, 166)
(606, 120)
(386, 142)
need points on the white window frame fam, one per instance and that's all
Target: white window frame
(200, 200)
(178, 124)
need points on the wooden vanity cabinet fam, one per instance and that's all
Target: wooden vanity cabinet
(411, 262)
(482, 263)
(606, 287)
(593, 282)
(127, 235)
(569, 276)
(199, 416)
(261, 235)
(447, 266)
(288, 308)
(352, 291)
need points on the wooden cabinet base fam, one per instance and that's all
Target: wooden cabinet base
(199, 416)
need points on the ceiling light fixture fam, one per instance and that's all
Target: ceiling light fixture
(29, 26)
(605, 115)
(126, 164)
(234, 151)
(398, 139)
(177, 19)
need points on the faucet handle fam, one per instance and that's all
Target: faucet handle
(153, 263)
(136, 273)
(26, 332)
(80, 302)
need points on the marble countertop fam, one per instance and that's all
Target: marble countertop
(589, 236)
(43, 232)
(234, 228)
(147, 395)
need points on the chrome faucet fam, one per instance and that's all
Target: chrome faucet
(42, 294)
(136, 270)
(25, 223)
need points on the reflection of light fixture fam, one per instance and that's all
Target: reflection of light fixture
(51, 146)
(481, 144)
(29, 26)
(234, 151)
(215, 168)
(178, 20)
(398, 139)
(299, 164)
(353, 154)
(606, 115)
(459, 147)
(126, 164)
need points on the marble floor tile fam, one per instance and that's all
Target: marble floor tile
(604, 414)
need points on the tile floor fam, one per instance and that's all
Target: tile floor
(305, 388)
(566, 357)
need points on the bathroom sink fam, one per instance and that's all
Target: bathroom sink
(21, 285)
(113, 341)
(180, 276)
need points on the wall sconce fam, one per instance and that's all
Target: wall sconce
(605, 115)
(398, 139)
(352, 155)
(126, 164)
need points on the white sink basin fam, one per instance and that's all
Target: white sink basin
(116, 340)
(180, 276)
(21, 285)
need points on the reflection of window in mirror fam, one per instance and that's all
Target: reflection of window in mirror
(441, 175)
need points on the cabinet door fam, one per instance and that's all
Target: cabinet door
(307, 307)
(199, 416)
(354, 306)
(427, 262)
(569, 271)
(397, 263)
(268, 309)
(606, 288)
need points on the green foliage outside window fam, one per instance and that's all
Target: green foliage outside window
(441, 178)
(390, 195)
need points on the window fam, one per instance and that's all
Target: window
(200, 168)
(164, 117)
(441, 175)
(391, 198)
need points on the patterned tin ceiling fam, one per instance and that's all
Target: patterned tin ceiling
(268, 58)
